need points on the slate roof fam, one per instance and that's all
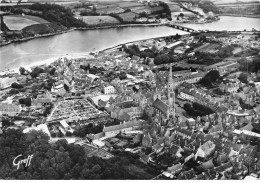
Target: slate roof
(208, 164)
(123, 125)
(161, 106)
(184, 131)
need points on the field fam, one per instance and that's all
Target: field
(139, 172)
(237, 50)
(141, 9)
(128, 17)
(18, 22)
(94, 20)
(129, 4)
(210, 48)
(174, 7)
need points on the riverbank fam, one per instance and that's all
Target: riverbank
(238, 15)
(131, 42)
(49, 61)
(73, 29)
(34, 37)
(86, 55)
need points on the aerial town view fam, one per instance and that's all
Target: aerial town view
(130, 90)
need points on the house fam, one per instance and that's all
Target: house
(205, 150)
(9, 109)
(7, 82)
(131, 108)
(39, 102)
(208, 164)
(175, 169)
(157, 148)
(147, 140)
(175, 151)
(216, 130)
(59, 89)
(109, 90)
(187, 175)
(112, 131)
(144, 158)
(183, 132)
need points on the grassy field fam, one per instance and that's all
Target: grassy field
(211, 48)
(174, 7)
(43, 28)
(129, 4)
(141, 9)
(128, 17)
(94, 20)
(139, 172)
(18, 22)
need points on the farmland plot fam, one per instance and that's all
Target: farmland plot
(95, 20)
(18, 22)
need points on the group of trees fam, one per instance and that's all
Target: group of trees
(207, 58)
(249, 66)
(16, 85)
(210, 78)
(164, 59)
(82, 131)
(59, 160)
(197, 109)
(57, 14)
(176, 68)
(112, 75)
(47, 110)
(160, 56)
(243, 77)
(25, 101)
(38, 70)
(92, 70)
(166, 10)
(245, 105)
(134, 50)
(208, 6)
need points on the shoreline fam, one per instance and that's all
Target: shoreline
(73, 29)
(238, 15)
(77, 56)
(120, 45)
(48, 62)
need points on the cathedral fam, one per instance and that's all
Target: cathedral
(164, 107)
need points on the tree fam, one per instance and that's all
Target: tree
(209, 78)
(69, 134)
(52, 71)
(213, 74)
(166, 9)
(16, 85)
(36, 71)
(206, 81)
(122, 76)
(243, 77)
(22, 70)
(6, 122)
(25, 101)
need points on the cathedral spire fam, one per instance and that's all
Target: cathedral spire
(170, 80)
(171, 94)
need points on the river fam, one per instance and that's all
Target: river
(80, 42)
(228, 23)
